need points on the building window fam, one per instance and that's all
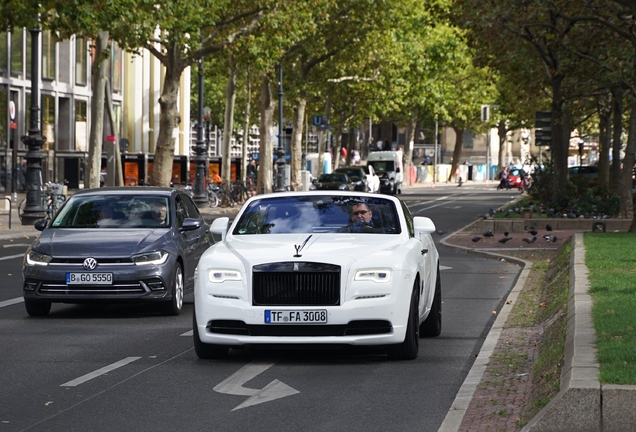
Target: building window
(48, 55)
(468, 138)
(48, 121)
(16, 53)
(81, 59)
(4, 53)
(81, 126)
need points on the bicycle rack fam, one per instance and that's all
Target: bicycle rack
(10, 209)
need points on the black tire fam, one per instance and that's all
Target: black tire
(203, 350)
(432, 325)
(37, 308)
(175, 304)
(408, 349)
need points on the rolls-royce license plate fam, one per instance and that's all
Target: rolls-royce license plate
(89, 278)
(296, 316)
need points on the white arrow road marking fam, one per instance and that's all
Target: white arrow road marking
(188, 333)
(445, 268)
(98, 372)
(234, 386)
(11, 302)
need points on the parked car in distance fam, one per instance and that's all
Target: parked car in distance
(319, 268)
(587, 171)
(118, 244)
(333, 181)
(357, 175)
(373, 181)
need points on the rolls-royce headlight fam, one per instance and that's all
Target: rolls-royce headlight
(221, 275)
(378, 275)
(158, 257)
(37, 258)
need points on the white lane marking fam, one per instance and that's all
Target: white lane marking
(188, 333)
(445, 268)
(17, 244)
(435, 205)
(426, 202)
(11, 302)
(234, 386)
(12, 256)
(98, 372)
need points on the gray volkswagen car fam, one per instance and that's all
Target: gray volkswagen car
(121, 244)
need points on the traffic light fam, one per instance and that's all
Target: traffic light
(543, 128)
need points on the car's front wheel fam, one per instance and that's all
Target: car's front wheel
(206, 351)
(432, 325)
(37, 308)
(175, 304)
(408, 349)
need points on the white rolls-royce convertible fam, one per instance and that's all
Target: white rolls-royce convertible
(319, 267)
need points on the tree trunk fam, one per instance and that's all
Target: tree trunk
(410, 141)
(605, 127)
(627, 196)
(560, 135)
(266, 107)
(168, 123)
(119, 173)
(297, 143)
(246, 128)
(502, 131)
(457, 151)
(617, 130)
(228, 126)
(97, 112)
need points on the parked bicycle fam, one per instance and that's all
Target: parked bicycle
(52, 198)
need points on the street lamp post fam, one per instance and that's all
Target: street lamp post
(280, 152)
(199, 194)
(33, 209)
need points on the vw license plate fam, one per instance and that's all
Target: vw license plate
(89, 278)
(296, 316)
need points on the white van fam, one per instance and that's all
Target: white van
(388, 166)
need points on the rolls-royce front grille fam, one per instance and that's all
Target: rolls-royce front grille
(296, 284)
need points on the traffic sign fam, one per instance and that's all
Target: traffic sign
(12, 110)
(316, 120)
(543, 128)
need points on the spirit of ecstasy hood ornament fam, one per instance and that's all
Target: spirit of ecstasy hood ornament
(300, 247)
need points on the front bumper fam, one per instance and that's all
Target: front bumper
(130, 283)
(358, 321)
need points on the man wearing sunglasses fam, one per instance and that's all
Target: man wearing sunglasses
(360, 218)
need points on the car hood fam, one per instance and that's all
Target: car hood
(326, 248)
(96, 242)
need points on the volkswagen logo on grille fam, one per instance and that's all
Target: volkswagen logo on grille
(90, 263)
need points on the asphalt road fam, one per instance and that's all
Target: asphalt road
(125, 367)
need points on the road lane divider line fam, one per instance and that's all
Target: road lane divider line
(99, 372)
(8, 257)
(16, 245)
(11, 302)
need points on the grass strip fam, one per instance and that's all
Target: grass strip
(611, 261)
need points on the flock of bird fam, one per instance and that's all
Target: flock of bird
(571, 213)
(532, 230)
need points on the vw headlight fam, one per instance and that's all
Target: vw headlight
(373, 275)
(222, 275)
(158, 257)
(37, 258)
